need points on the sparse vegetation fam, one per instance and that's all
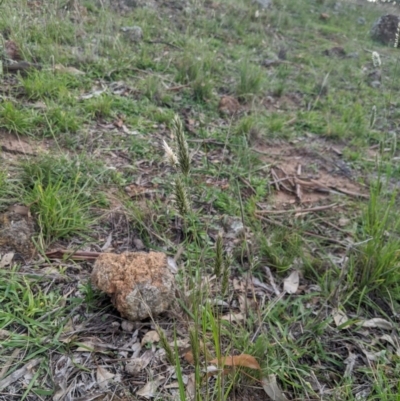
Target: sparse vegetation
(279, 214)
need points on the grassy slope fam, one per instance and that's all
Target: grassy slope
(100, 131)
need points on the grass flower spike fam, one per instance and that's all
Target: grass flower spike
(181, 197)
(170, 155)
(396, 38)
(181, 145)
(376, 59)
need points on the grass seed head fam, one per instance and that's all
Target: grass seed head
(169, 353)
(373, 117)
(376, 59)
(225, 275)
(170, 155)
(181, 197)
(181, 145)
(396, 37)
(219, 257)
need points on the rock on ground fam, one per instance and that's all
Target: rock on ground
(140, 284)
(385, 28)
(133, 33)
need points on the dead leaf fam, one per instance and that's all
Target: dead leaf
(107, 244)
(118, 123)
(89, 346)
(68, 70)
(103, 377)
(174, 384)
(243, 360)
(95, 93)
(182, 344)
(191, 387)
(291, 283)
(246, 304)
(172, 266)
(5, 334)
(211, 369)
(19, 373)
(150, 389)
(270, 386)
(388, 339)
(339, 317)
(134, 366)
(272, 280)
(38, 105)
(233, 317)
(86, 346)
(189, 357)
(150, 337)
(378, 323)
(350, 362)
(20, 209)
(6, 259)
(343, 222)
(137, 364)
(376, 356)
(258, 283)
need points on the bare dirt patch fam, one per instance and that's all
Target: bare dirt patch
(289, 101)
(307, 173)
(12, 145)
(16, 231)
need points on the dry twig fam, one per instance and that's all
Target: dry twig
(307, 210)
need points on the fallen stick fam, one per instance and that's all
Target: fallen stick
(78, 255)
(307, 210)
(350, 193)
(276, 179)
(248, 185)
(271, 280)
(311, 234)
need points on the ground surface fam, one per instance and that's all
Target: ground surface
(283, 237)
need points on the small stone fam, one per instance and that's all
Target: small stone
(337, 6)
(282, 54)
(375, 84)
(336, 51)
(353, 55)
(140, 284)
(271, 62)
(264, 3)
(133, 33)
(138, 244)
(128, 326)
(361, 21)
